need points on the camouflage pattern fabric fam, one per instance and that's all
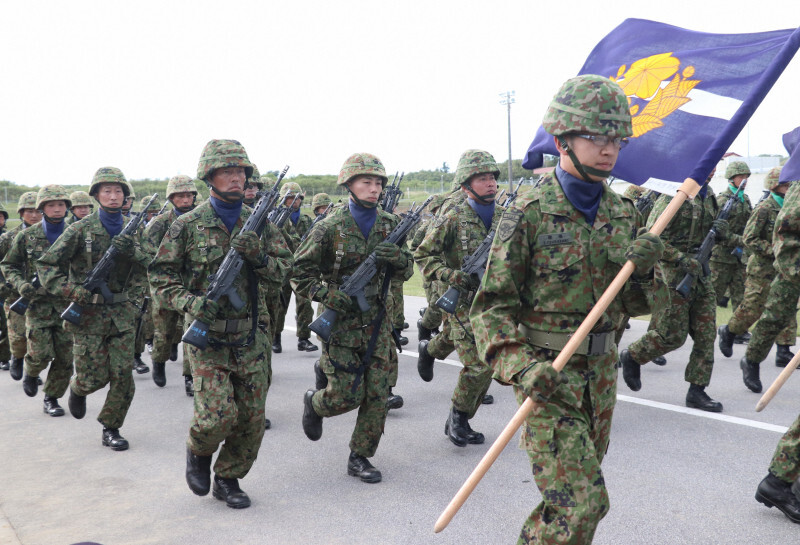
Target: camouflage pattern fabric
(103, 342)
(304, 313)
(351, 385)
(546, 269)
(230, 382)
(450, 239)
(46, 338)
(760, 273)
(696, 315)
(728, 272)
(589, 104)
(785, 462)
(15, 323)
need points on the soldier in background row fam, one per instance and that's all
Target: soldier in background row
(5, 353)
(82, 206)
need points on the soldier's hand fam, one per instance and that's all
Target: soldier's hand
(248, 245)
(386, 252)
(123, 243)
(338, 301)
(722, 228)
(540, 380)
(203, 309)
(645, 251)
(691, 265)
(460, 279)
(27, 290)
(81, 295)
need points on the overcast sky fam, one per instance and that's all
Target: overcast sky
(144, 85)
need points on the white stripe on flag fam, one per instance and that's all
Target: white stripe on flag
(710, 105)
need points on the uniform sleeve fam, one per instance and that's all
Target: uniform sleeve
(13, 264)
(670, 252)
(53, 265)
(753, 230)
(306, 278)
(430, 254)
(280, 262)
(165, 270)
(151, 238)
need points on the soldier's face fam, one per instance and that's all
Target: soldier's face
(366, 188)
(737, 180)
(484, 185)
(589, 154)
(111, 196)
(31, 216)
(81, 211)
(182, 200)
(2, 220)
(127, 204)
(296, 204)
(55, 209)
(229, 180)
(780, 190)
(250, 193)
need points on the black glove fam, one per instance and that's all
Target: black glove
(722, 228)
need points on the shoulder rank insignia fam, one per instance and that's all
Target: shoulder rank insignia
(175, 229)
(508, 223)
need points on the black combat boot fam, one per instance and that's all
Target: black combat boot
(488, 399)
(774, 492)
(697, 398)
(320, 378)
(631, 370)
(751, 375)
(267, 423)
(312, 422)
(401, 339)
(423, 333)
(159, 374)
(77, 405)
(456, 428)
(359, 466)
(173, 352)
(228, 490)
(276, 344)
(112, 438)
(394, 401)
(52, 407)
(15, 367)
(473, 437)
(725, 341)
(30, 385)
(188, 385)
(405, 326)
(744, 338)
(783, 356)
(4, 365)
(660, 360)
(304, 345)
(198, 472)
(138, 365)
(425, 362)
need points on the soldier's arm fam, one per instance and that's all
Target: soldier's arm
(753, 233)
(13, 264)
(153, 233)
(165, 271)
(280, 259)
(53, 265)
(430, 254)
(306, 277)
(670, 252)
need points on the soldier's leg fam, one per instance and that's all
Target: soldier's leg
(5, 352)
(345, 388)
(40, 351)
(788, 335)
(785, 462)
(16, 333)
(305, 314)
(667, 331)
(286, 296)
(120, 374)
(163, 333)
(781, 305)
(702, 317)
(373, 394)
(720, 278)
(61, 367)
(473, 380)
(441, 345)
(736, 286)
(90, 353)
(752, 305)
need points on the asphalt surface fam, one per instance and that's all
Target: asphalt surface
(675, 475)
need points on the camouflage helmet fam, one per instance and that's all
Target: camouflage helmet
(109, 175)
(131, 193)
(26, 200)
(290, 189)
(361, 163)
(255, 179)
(3, 210)
(80, 198)
(52, 192)
(320, 199)
(736, 168)
(180, 184)
(773, 179)
(222, 154)
(154, 207)
(475, 161)
(589, 104)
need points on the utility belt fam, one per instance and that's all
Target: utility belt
(120, 297)
(231, 326)
(371, 290)
(595, 344)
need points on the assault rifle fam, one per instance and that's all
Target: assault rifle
(646, 201)
(513, 195)
(392, 194)
(222, 282)
(21, 305)
(163, 208)
(704, 252)
(279, 215)
(474, 263)
(97, 279)
(316, 221)
(140, 317)
(354, 284)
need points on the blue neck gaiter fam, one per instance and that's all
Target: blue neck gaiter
(484, 211)
(365, 217)
(52, 230)
(294, 216)
(584, 196)
(228, 212)
(111, 221)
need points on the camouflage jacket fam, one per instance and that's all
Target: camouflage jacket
(740, 213)
(786, 236)
(634, 192)
(19, 266)
(334, 249)
(8, 293)
(757, 238)
(451, 238)
(155, 230)
(72, 256)
(547, 269)
(298, 230)
(193, 249)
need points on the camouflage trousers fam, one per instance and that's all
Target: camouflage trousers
(473, 380)
(101, 360)
(304, 314)
(781, 306)
(786, 461)
(167, 331)
(5, 352)
(441, 345)
(756, 291)
(566, 445)
(729, 277)
(17, 341)
(432, 317)
(230, 391)
(51, 346)
(398, 314)
(354, 386)
(145, 330)
(695, 316)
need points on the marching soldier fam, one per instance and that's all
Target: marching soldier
(129, 199)
(48, 343)
(781, 487)
(5, 353)
(447, 242)
(357, 376)
(556, 249)
(232, 375)
(319, 203)
(82, 206)
(103, 342)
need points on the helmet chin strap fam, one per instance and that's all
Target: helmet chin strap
(112, 210)
(582, 169)
(359, 202)
(482, 198)
(230, 196)
(48, 219)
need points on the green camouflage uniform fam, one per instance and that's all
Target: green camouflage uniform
(103, 342)
(46, 338)
(351, 384)
(230, 382)
(139, 289)
(17, 341)
(727, 270)
(785, 462)
(304, 313)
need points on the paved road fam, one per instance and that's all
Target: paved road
(675, 476)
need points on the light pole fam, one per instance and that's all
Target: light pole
(508, 100)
